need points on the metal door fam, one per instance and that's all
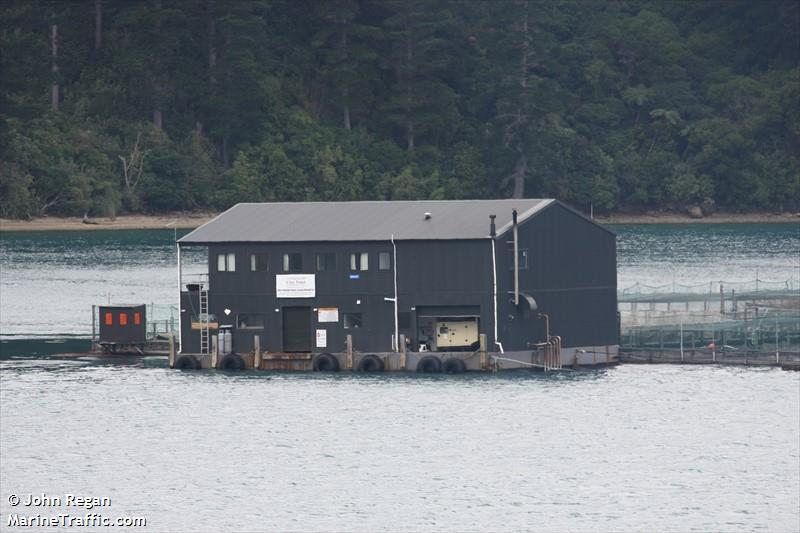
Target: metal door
(296, 329)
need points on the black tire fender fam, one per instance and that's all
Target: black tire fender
(430, 364)
(370, 363)
(231, 361)
(325, 362)
(454, 366)
(187, 362)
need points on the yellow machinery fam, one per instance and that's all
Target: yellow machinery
(456, 333)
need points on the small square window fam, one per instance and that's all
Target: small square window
(137, 318)
(384, 261)
(292, 262)
(359, 261)
(259, 262)
(326, 262)
(109, 319)
(351, 320)
(123, 319)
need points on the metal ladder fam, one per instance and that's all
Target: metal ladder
(204, 334)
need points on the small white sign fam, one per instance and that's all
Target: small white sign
(322, 338)
(328, 314)
(295, 286)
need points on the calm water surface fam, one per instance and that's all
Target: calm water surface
(634, 448)
(657, 254)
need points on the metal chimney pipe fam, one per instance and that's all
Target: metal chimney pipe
(516, 257)
(492, 228)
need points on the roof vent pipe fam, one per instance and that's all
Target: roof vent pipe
(428, 215)
(492, 229)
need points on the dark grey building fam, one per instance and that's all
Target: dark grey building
(303, 276)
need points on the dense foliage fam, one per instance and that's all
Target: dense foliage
(113, 106)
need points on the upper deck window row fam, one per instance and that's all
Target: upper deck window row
(293, 261)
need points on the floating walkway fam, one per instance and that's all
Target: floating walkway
(705, 356)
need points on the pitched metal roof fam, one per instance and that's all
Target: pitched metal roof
(362, 221)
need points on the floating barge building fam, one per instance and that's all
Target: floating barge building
(408, 285)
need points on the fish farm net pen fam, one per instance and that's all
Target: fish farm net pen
(755, 315)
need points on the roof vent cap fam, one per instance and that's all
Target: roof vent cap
(428, 215)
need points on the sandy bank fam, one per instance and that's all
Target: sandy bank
(179, 220)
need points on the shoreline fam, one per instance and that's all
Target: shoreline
(193, 220)
(122, 222)
(717, 218)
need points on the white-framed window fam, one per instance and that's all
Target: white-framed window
(292, 262)
(326, 262)
(359, 261)
(259, 262)
(226, 262)
(384, 261)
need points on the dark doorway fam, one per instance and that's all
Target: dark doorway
(296, 329)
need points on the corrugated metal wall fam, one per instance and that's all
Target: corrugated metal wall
(430, 273)
(571, 274)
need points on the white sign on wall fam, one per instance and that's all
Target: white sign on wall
(322, 338)
(328, 314)
(295, 286)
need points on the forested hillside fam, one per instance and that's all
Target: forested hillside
(112, 106)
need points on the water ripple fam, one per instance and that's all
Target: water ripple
(633, 448)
